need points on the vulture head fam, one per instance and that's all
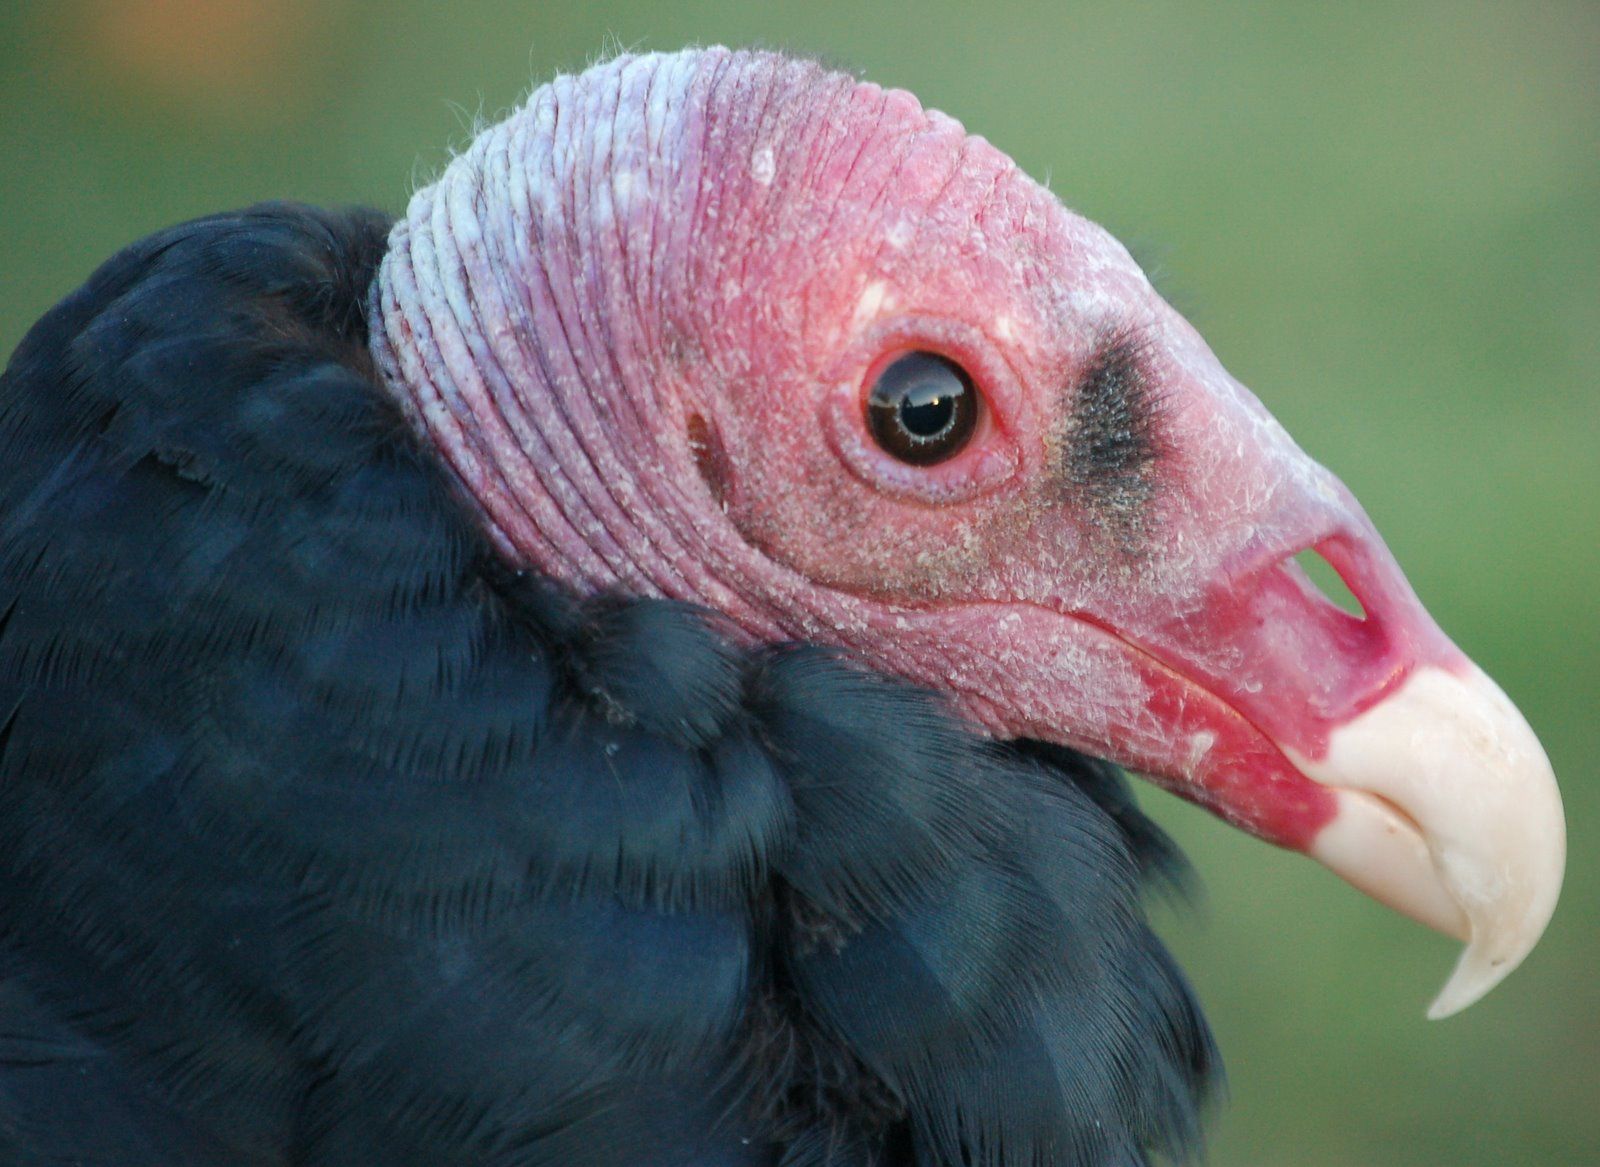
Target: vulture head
(736, 330)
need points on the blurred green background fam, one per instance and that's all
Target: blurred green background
(1383, 217)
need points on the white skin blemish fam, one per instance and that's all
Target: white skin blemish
(875, 297)
(1005, 328)
(1199, 746)
(1093, 301)
(763, 166)
(899, 235)
(622, 185)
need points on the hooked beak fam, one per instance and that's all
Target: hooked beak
(1448, 811)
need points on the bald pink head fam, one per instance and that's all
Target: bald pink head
(642, 319)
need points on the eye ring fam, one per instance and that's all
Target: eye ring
(922, 408)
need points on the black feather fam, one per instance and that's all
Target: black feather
(326, 838)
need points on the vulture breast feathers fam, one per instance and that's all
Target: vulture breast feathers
(612, 667)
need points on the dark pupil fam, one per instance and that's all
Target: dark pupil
(922, 408)
(927, 410)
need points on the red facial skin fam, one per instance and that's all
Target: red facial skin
(641, 319)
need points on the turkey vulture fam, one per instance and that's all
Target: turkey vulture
(613, 667)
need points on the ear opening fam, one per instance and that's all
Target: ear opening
(710, 460)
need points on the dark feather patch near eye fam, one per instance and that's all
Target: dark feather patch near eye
(1112, 443)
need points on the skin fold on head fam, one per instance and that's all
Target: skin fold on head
(734, 329)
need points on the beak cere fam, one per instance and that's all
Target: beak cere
(1449, 812)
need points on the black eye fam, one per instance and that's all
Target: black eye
(922, 408)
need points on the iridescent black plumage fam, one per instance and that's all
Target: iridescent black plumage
(326, 838)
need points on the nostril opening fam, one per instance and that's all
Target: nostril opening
(1328, 583)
